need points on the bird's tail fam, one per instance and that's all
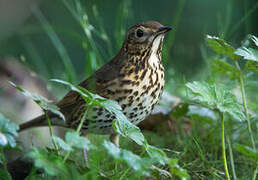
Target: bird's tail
(42, 121)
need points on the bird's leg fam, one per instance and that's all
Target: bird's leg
(84, 152)
(114, 138)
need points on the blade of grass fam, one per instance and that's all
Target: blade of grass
(69, 69)
(174, 23)
(231, 159)
(242, 20)
(34, 54)
(171, 35)
(121, 20)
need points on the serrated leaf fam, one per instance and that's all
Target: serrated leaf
(43, 102)
(216, 98)
(176, 170)
(247, 151)
(132, 160)
(7, 132)
(122, 125)
(220, 46)
(224, 68)
(77, 141)
(53, 165)
(62, 144)
(247, 53)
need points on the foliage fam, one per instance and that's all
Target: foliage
(52, 162)
(216, 98)
(8, 130)
(189, 134)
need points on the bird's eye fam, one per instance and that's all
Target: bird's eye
(139, 33)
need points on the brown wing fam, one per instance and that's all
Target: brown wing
(106, 73)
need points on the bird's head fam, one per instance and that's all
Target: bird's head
(145, 36)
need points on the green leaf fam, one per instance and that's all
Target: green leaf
(224, 68)
(43, 102)
(247, 53)
(121, 124)
(8, 130)
(132, 160)
(180, 110)
(62, 144)
(49, 162)
(4, 174)
(216, 98)
(176, 170)
(77, 141)
(247, 151)
(220, 46)
(251, 66)
(157, 154)
(85, 94)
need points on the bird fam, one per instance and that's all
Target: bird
(134, 78)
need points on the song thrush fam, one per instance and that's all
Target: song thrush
(134, 78)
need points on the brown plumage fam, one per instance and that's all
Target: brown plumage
(134, 78)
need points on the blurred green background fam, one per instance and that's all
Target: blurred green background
(70, 39)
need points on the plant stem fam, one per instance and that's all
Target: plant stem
(2, 158)
(51, 133)
(223, 146)
(78, 128)
(241, 81)
(231, 159)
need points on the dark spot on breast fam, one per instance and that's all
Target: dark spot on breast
(121, 75)
(108, 115)
(131, 71)
(135, 109)
(135, 93)
(109, 120)
(143, 74)
(152, 107)
(110, 92)
(128, 91)
(123, 82)
(136, 77)
(118, 91)
(123, 106)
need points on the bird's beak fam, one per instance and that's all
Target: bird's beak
(163, 29)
